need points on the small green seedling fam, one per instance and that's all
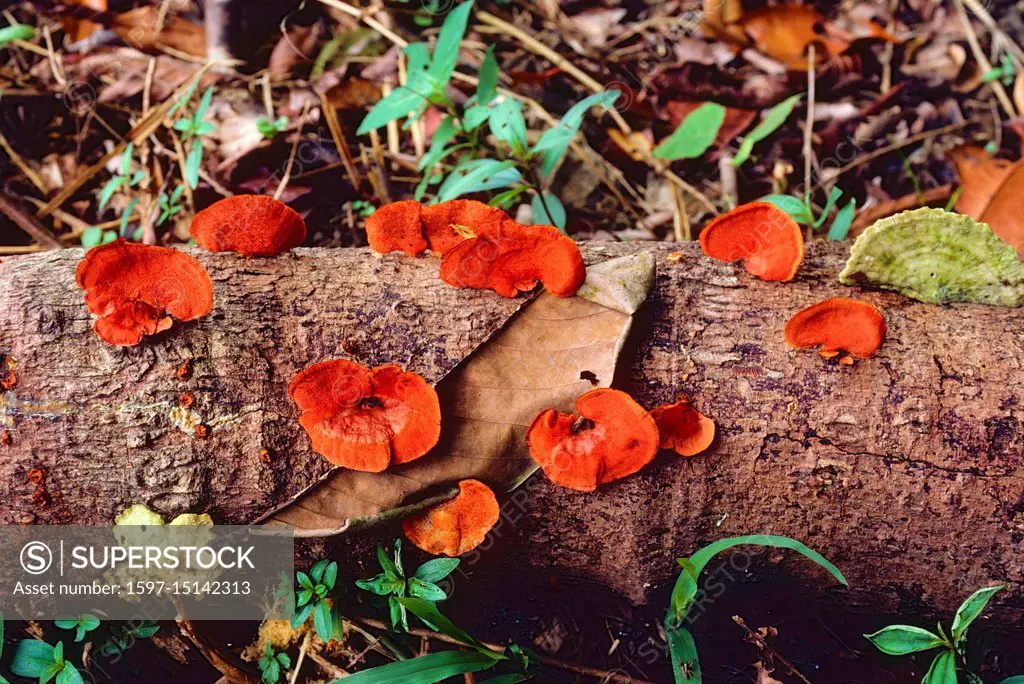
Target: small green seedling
(170, 205)
(803, 213)
(273, 664)
(194, 128)
(122, 636)
(952, 645)
(393, 583)
(1005, 71)
(41, 661)
(312, 598)
(83, 624)
(269, 129)
(363, 208)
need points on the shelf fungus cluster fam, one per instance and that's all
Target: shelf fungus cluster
(480, 246)
(611, 436)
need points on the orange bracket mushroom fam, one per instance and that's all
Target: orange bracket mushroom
(837, 325)
(136, 289)
(366, 419)
(396, 227)
(766, 238)
(612, 437)
(512, 257)
(448, 224)
(683, 428)
(253, 225)
(458, 526)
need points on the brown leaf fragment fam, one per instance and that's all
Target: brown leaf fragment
(487, 402)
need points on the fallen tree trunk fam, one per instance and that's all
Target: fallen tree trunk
(905, 469)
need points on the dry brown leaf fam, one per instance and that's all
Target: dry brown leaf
(137, 27)
(764, 674)
(595, 25)
(736, 120)
(981, 175)
(784, 32)
(80, 29)
(1018, 92)
(1003, 213)
(537, 361)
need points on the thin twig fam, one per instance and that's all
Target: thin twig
(29, 172)
(762, 644)
(28, 224)
(982, 60)
(603, 675)
(302, 656)
(330, 115)
(985, 18)
(291, 155)
(809, 127)
(327, 666)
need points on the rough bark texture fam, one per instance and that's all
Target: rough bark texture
(905, 469)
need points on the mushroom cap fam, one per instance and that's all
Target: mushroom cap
(767, 239)
(253, 225)
(448, 224)
(366, 419)
(683, 428)
(458, 526)
(837, 324)
(617, 438)
(510, 257)
(396, 227)
(133, 288)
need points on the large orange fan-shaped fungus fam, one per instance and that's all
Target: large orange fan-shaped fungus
(766, 238)
(836, 325)
(396, 227)
(366, 419)
(612, 437)
(455, 527)
(448, 224)
(136, 289)
(254, 225)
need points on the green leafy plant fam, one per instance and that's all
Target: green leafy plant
(193, 129)
(1005, 71)
(272, 664)
(363, 208)
(803, 213)
(436, 667)
(513, 163)
(695, 133)
(312, 599)
(952, 645)
(393, 583)
(82, 624)
(170, 205)
(122, 636)
(682, 648)
(268, 129)
(43, 662)
(9, 34)
(771, 122)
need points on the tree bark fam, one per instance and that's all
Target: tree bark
(904, 469)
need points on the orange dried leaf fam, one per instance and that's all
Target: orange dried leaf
(1003, 213)
(683, 428)
(767, 239)
(458, 526)
(136, 288)
(512, 257)
(254, 225)
(450, 223)
(366, 419)
(612, 437)
(784, 32)
(981, 174)
(396, 227)
(835, 325)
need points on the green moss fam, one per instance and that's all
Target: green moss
(937, 257)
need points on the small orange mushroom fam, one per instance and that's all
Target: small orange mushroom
(396, 227)
(253, 225)
(683, 428)
(136, 289)
(612, 437)
(458, 526)
(512, 257)
(448, 224)
(836, 325)
(366, 419)
(766, 238)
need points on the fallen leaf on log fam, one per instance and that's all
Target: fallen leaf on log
(489, 401)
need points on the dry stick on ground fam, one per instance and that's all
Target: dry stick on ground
(979, 56)
(882, 151)
(809, 127)
(985, 18)
(29, 172)
(301, 658)
(533, 45)
(291, 155)
(334, 125)
(603, 675)
(763, 645)
(28, 224)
